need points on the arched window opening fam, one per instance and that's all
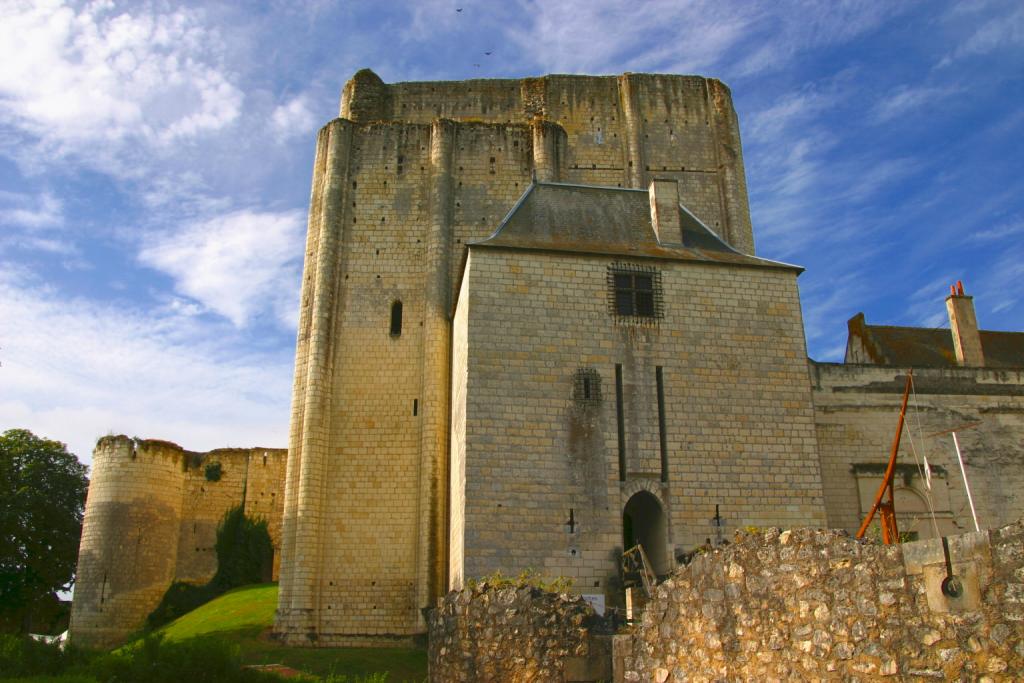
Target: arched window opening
(396, 318)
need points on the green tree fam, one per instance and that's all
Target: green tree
(42, 499)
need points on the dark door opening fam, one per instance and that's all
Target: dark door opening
(643, 522)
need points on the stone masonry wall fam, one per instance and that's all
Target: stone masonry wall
(394, 203)
(816, 605)
(401, 183)
(738, 420)
(151, 518)
(621, 130)
(512, 634)
(856, 408)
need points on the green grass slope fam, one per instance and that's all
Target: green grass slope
(244, 617)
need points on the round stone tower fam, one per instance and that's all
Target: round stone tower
(128, 552)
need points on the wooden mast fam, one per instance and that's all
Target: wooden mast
(887, 509)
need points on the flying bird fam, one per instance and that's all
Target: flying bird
(488, 54)
(458, 9)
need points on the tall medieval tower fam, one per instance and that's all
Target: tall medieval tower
(403, 180)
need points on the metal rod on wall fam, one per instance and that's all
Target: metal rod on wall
(963, 473)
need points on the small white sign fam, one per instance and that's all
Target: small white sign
(596, 601)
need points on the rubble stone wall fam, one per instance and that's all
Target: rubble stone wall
(511, 635)
(817, 605)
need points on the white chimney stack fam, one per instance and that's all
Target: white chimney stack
(665, 216)
(964, 326)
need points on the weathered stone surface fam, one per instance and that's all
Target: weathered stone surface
(151, 518)
(879, 626)
(535, 636)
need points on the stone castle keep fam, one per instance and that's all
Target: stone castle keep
(533, 332)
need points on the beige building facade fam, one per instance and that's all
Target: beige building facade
(533, 332)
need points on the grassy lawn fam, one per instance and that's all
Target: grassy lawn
(244, 616)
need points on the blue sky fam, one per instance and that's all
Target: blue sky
(155, 161)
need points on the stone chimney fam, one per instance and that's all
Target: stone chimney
(665, 216)
(964, 326)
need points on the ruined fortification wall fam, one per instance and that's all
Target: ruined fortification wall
(150, 519)
(738, 420)
(621, 131)
(515, 634)
(856, 409)
(816, 605)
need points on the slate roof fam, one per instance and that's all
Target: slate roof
(590, 219)
(924, 347)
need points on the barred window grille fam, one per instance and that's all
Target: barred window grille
(586, 386)
(634, 293)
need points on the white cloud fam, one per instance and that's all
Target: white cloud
(237, 264)
(74, 370)
(292, 119)
(96, 82)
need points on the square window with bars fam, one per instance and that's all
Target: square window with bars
(635, 292)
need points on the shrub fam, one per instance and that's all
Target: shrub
(527, 577)
(244, 551)
(244, 555)
(22, 656)
(196, 660)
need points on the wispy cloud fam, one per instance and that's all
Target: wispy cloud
(1002, 26)
(1000, 231)
(779, 32)
(74, 370)
(43, 211)
(904, 99)
(237, 264)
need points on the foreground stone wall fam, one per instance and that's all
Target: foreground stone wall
(151, 518)
(513, 634)
(811, 605)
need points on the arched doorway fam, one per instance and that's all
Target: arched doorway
(643, 522)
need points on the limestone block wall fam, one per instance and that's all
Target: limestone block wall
(150, 519)
(621, 130)
(856, 409)
(738, 418)
(816, 605)
(393, 206)
(128, 552)
(408, 176)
